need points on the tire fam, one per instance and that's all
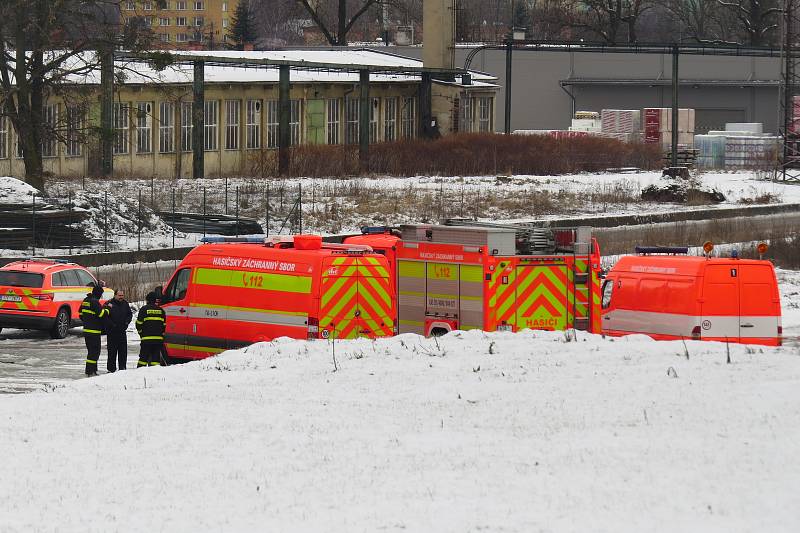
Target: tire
(60, 327)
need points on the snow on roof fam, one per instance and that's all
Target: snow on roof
(143, 73)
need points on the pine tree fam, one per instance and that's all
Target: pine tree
(243, 26)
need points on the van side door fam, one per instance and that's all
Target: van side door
(759, 304)
(720, 303)
(176, 306)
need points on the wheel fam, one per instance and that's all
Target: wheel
(61, 326)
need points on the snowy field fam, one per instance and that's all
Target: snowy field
(472, 432)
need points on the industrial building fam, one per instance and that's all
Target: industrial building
(152, 124)
(184, 24)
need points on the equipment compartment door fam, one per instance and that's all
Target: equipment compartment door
(541, 297)
(720, 320)
(375, 309)
(758, 303)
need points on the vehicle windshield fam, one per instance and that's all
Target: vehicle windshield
(13, 278)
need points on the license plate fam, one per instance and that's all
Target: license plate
(10, 298)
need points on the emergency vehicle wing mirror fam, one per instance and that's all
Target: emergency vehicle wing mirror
(708, 247)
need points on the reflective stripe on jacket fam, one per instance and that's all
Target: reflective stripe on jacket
(92, 315)
(151, 324)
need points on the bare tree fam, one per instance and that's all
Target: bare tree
(702, 21)
(758, 19)
(45, 45)
(343, 17)
(614, 21)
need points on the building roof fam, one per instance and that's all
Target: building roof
(140, 72)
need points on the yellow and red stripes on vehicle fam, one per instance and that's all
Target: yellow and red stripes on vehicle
(27, 301)
(356, 299)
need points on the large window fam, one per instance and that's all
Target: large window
(467, 114)
(253, 124)
(232, 112)
(74, 144)
(121, 117)
(390, 119)
(272, 124)
(409, 118)
(144, 127)
(211, 125)
(166, 127)
(485, 114)
(49, 145)
(374, 113)
(294, 122)
(351, 111)
(334, 121)
(186, 126)
(3, 137)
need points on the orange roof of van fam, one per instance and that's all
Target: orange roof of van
(258, 250)
(680, 265)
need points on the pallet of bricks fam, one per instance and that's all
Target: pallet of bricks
(622, 124)
(742, 145)
(658, 130)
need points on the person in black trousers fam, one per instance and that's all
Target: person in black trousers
(92, 315)
(118, 318)
(151, 324)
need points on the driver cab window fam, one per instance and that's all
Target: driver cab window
(177, 288)
(608, 289)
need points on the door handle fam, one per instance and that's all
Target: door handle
(747, 326)
(606, 318)
(181, 310)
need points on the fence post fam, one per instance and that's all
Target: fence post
(173, 218)
(237, 210)
(300, 206)
(204, 212)
(105, 222)
(69, 226)
(153, 194)
(226, 196)
(33, 214)
(139, 226)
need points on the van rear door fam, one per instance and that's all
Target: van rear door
(759, 304)
(356, 299)
(541, 297)
(720, 302)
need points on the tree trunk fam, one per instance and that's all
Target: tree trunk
(341, 37)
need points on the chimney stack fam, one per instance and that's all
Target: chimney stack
(439, 28)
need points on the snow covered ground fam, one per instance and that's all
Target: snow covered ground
(472, 432)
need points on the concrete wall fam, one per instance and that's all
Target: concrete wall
(539, 102)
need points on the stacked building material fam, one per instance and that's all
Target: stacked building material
(710, 151)
(658, 127)
(751, 151)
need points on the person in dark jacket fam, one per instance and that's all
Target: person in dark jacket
(118, 319)
(92, 315)
(151, 324)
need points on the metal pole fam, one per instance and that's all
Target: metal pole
(198, 107)
(267, 209)
(237, 210)
(139, 236)
(173, 218)
(300, 205)
(204, 212)
(284, 117)
(69, 226)
(509, 76)
(675, 109)
(153, 194)
(364, 109)
(226, 196)
(105, 222)
(33, 239)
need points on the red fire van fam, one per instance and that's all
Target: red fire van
(677, 296)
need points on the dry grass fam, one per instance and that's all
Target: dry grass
(465, 154)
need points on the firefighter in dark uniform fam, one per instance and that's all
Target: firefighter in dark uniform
(92, 315)
(118, 319)
(151, 324)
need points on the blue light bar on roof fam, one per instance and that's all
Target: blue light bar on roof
(217, 240)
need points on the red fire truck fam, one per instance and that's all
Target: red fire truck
(464, 275)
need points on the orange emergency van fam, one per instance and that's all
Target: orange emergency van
(681, 297)
(467, 275)
(231, 294)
